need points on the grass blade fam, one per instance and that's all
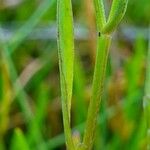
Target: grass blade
(117, 12)
(146, 101)
(19, 141)
(66, 61)
(100, 14)
(22, 33)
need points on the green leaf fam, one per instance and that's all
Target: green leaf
(100, 14)
(66, 49)
(66, 62)
(117, 12)
(19, 142)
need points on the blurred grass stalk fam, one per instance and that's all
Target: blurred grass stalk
(12, 45)
(22, 96)
(5, 54)
(27, 28)
(5, 100)
(146, 102)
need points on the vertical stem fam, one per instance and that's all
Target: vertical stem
(103, 44)
(146, 101)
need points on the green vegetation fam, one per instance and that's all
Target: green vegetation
(66, 60)
(147, 97)
(104, 74)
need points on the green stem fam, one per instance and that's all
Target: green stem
(97, 90)
(100, 14)
(146, 101)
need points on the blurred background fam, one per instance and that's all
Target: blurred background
(30, 105)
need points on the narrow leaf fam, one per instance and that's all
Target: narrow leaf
(19, 142)
(117, 12)
(66, 61)
(100, 14)
(66, 49)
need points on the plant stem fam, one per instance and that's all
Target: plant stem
(103, 44)
(146, 101)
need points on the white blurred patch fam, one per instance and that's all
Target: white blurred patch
(10, 3)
